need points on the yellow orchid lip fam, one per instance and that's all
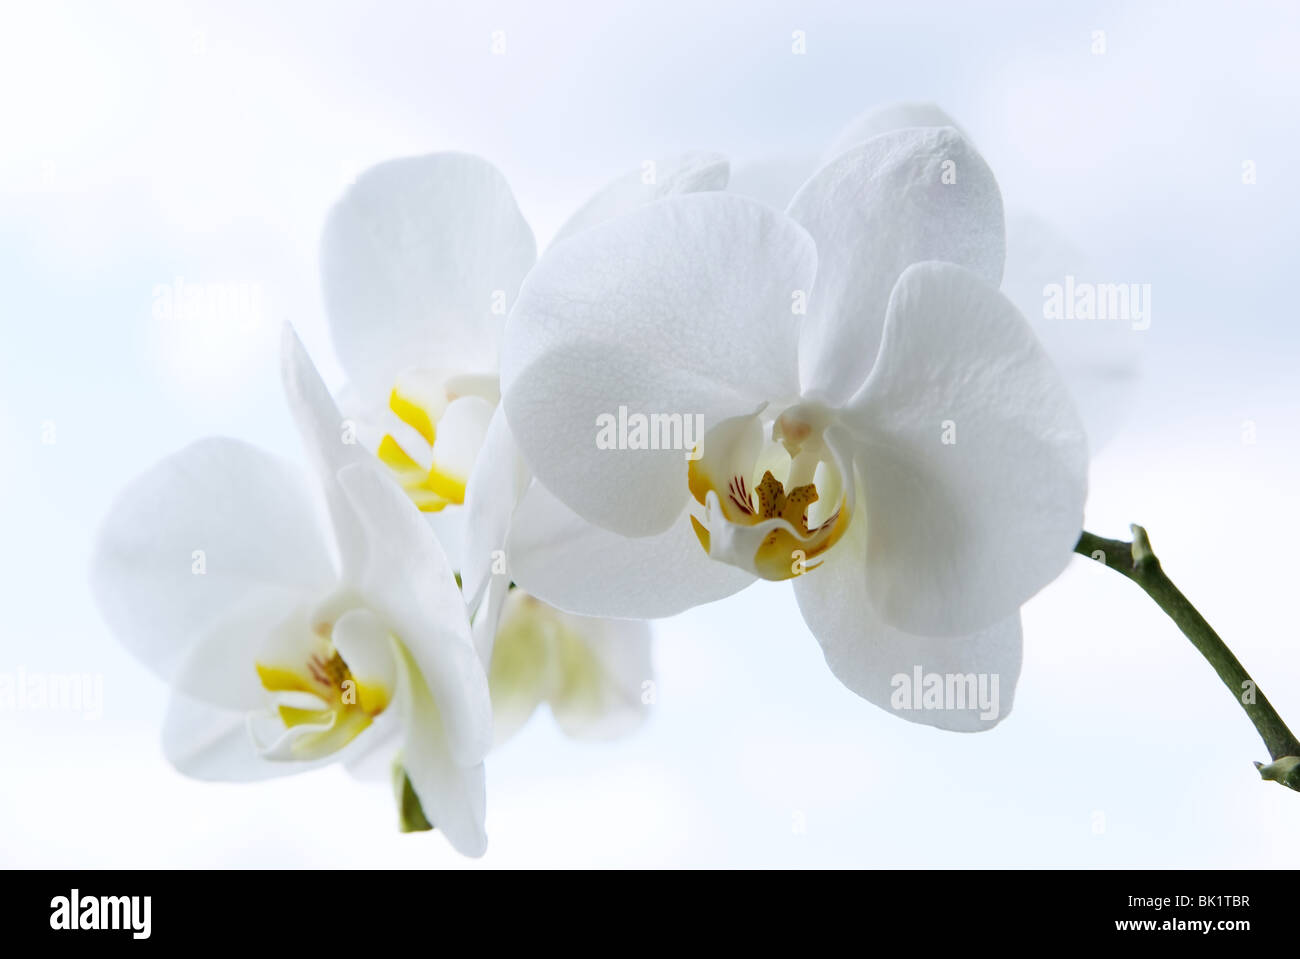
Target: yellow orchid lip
(430, 489)
(419, 400)
(780, 544)
(332, 707)
(764, 526)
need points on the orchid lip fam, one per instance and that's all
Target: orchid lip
(316, 705)
(774, 495)
(431, 458)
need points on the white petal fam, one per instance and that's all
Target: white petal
(884, 119)
(326, 436)
(576, 566)
(420, 258)
(906, 196)
(879, 662)
(220, 667)
(974, 461)
(1100, 359)
(410, 584)
(216, 533)
(692, 172)
(452, 794)
(683, 307)
(210, 743)
(323, 428)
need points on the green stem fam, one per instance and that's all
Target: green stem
(1137, 561)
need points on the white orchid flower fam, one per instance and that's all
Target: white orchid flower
(1098, 359)
(880, 423)
(421, 259)
(288, 644)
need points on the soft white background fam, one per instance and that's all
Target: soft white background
(147, 141)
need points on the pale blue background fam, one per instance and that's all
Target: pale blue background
(146, 141)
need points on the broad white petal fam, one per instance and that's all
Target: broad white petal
(577, 566)
(452, 794)
(974, 462)
(410, 584)
(1100, 359)
(879, 662)
(692, 172)
(883, 119)
(682, 308)
(421, 258)
(219, 532)
(902, 197)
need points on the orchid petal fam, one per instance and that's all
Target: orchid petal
(973, 458)
(330, 445)
(577, 566)
(900, 198)
(409, 583)
(885, 119)
(688, 173)
(876, 660)
(421, 258)
(211, 743)
(452, 793)
(219, 532)
(682, 308)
